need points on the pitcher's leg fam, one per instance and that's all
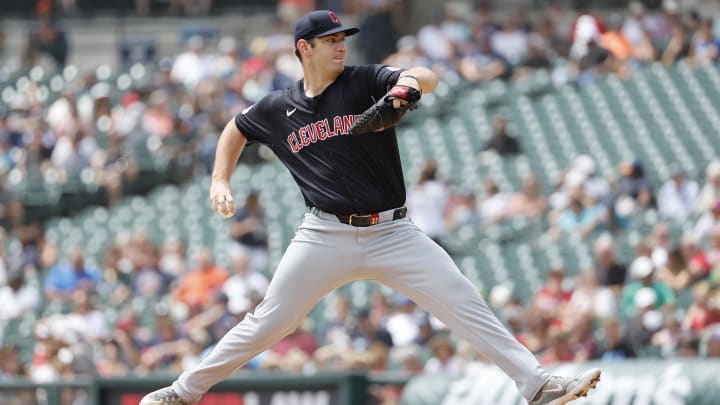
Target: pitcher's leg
(306, 273)
(417, 267)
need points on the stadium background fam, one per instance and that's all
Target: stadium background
(595, 235)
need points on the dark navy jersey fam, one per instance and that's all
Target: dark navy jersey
(336, 172)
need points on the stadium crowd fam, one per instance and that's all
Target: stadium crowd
(151, 307)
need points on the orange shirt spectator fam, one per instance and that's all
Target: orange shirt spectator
(198, 287)
(617, 44)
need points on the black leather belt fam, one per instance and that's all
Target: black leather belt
(370, 219)
(366, 220)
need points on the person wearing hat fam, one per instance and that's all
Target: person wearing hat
(642, 272)
(356, 226)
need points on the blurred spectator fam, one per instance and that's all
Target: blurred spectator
(707, 222)
(11, 366)
(494, 204)
(378, 34)
(644, 320)
(462, 210)
(668, 339)
(172, 257)
(537, 333)
(84, 320)
(110, 361)
(697, 262)
(530, 202)
(713, 252)
(594, 185)
(642, 272)
(559, 349)
(11, 205)
(410, 358)
(47, 38)
(611, 272)
(596, 62)
(675, 272)
(479, 62)
(615, 41)
(588, 298)
(72, 155)
(711, 342)
(293, 352)
(678, 46)
(456, 22)
(18, 299)
(551, 299)
(635, 188)
(336, 330)
(635, 22)
(436, 44)
(660, 244)
(404, 324)
(677, 197)
(193, 65)
(244, 284)
(427, 203)
(158, 119)
(511, 42)
(539, 56)
(704, 48)
(249, 229)
(407, 54)
(582, 339)
(614, 344)
(710, 191)
(163, 350)
(583, 217)
(197, 287)
(66, 277)
(641, 42)
(484, 19)
(443, 361)
(502, 142)
(586, 29)
(705, 308)
(368, 330)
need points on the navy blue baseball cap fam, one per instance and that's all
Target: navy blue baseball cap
(320, 23)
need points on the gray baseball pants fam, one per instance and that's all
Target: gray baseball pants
(326, 254)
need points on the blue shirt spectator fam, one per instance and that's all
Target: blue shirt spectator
(66, 277)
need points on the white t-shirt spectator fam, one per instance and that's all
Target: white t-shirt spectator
(189, 68)
(14, 304)
(241, 288)
(435, 43)
(511, 45)
(495, 207)
(426, 204)
(677, 201)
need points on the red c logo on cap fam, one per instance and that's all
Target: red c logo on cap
(334, 17)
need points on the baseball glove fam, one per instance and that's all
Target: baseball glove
(383, 114)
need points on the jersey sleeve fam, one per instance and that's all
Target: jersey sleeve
(382, 77)
(253, 122)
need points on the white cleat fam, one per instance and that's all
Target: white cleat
(163, 396)
(561, 390)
